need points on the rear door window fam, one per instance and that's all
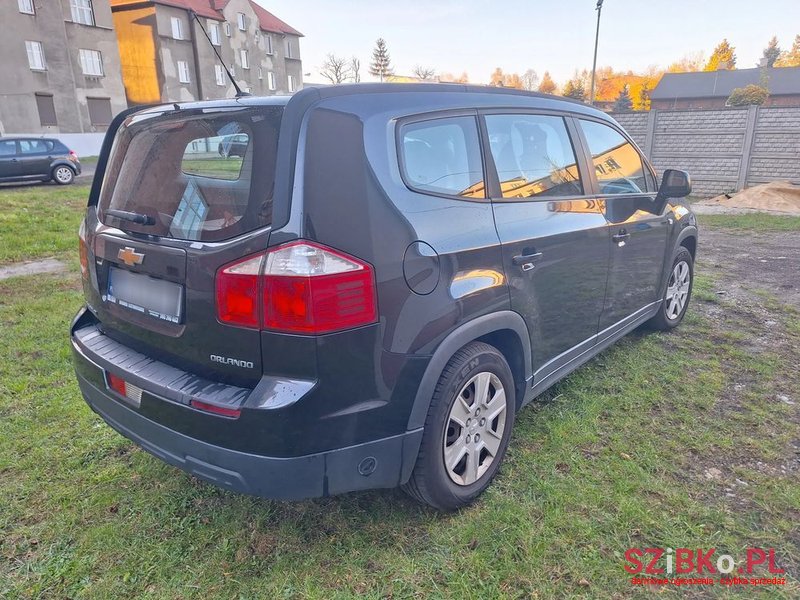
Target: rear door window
(34, 146)
(533, 155)
(199, 176)
(8, 148)
(443, 156)
(617, 164)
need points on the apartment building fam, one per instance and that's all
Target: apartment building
(167, 56)
(61, 67)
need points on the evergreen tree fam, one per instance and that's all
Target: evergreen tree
(772, 52)
(574, 89)
(381, 65)
(623, 102)
(723, 57)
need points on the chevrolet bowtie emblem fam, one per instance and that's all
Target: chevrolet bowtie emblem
(130, 257)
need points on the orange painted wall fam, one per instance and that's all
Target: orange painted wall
(136, 35)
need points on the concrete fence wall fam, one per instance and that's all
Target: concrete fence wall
(724, 149)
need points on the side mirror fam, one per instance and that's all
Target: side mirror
(675, 184)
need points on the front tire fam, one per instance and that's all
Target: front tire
(467, 429)
(677, 294)
(63, 175)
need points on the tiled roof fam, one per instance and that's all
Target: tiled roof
(269, 22)
(720, 84)
(212, 9)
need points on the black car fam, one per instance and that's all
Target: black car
(232, 145)
(370, 296)
(37, 159)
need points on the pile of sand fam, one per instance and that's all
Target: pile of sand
(778, 196)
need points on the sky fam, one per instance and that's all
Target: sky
(478, 36)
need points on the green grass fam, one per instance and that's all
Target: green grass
(37, 221)
(753, 221)
(613, 457)
(214, 166)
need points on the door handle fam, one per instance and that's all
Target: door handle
(526, 260)
(620, 238)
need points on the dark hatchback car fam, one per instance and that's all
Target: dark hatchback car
(37, 159)
(368, 298)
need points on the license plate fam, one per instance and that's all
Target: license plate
(144, 294)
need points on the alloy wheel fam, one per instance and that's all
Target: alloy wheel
(678, 289)
(474, 429)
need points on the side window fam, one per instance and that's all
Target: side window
(443, 156)
(617, 163)
(8, 148)
(533, 155)
(32, 146)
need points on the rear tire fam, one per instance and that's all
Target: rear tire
(677, 292)
(467, 429)
(63, 175)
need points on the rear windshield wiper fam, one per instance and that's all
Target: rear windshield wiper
(133, 217)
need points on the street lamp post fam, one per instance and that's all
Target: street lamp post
(598, 8)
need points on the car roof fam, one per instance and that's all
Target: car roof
(7, 138)
(462, 94)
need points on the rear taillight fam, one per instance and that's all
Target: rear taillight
(73, 156)
(83, 252)
(300, 287)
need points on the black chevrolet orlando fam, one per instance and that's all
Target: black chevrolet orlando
(368, 295)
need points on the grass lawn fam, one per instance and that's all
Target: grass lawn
(752, 221)
(646, 446)
(40, 220)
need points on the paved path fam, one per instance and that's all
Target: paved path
(32, 267)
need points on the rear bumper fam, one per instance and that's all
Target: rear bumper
(381, 463)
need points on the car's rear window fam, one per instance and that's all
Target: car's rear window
(196, 176)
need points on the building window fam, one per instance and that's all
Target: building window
(245, 60)
(47, 110)
(183, 71)
(99, 110)
(35, 56)
(26, 6)
(82, 11)
(227, 29)
(260, 73)
(177, 28)
(91, 62)
(241, 20)
(268, 44)
(271, 80)
(292, 83)
(213, 33)
(289, 49)
(219, 73)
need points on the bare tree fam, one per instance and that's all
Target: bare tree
(424, 73)
(335, 69)
(355, 70)
(530, 80)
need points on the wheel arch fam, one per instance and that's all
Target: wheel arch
(505, 330)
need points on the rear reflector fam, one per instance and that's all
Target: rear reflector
(304, 288)
(217, 410)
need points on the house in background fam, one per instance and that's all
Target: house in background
(61, 67)
(166, 56)
(711, 89)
